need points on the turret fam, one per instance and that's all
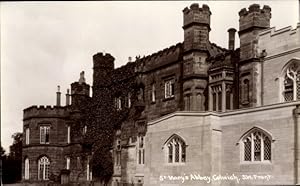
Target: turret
(80, 91)
(252, 21)
(103, 68)
(196, 26)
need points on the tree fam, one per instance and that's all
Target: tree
(12, 164)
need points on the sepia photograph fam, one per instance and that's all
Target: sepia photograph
(150, 93)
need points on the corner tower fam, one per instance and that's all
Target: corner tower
(251, 23)
(196, 26)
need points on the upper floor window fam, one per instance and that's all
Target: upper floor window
(140, 150)
(44, 134)
(118, 103)
(43, 168)
(26, 169)
(84, 130)
(68, 160)
(69, 134)
(118, 153)
(291, 81)
(245, 91)
(256, 146)
(175, 150)
(169, 88)
(128, 101)
(153, 93)
(88, 171)
(27, 133)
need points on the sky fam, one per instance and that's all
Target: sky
(45, 44)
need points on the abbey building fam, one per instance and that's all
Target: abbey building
(203, 114)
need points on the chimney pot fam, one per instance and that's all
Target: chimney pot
(58, 96)
(231, 38)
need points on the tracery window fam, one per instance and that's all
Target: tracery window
(256, 146)
(43, 168)
(291, 82)
(175, 150)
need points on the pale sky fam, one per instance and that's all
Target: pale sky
(45, 44)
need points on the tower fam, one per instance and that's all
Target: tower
(102, 76)
(252, 21)
(196, 26)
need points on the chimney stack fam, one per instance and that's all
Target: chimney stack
(68, 97)
(231, 38)
(58, 96)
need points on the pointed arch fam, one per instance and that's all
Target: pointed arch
(256, 145)
(26, 168)
(254, 129)
(43, 168)
(175, 149)
(289, 84)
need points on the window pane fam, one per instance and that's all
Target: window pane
(247, 152)
(140, 156)
(267, 149)
(183, 153)
(214, 102)
(257, 149)
(170, 147)
(176, 152)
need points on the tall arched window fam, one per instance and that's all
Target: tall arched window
(291, 81)
(26, 169)
(175, 149)
(43, 168)
(256, 146)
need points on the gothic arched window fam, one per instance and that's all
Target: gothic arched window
(256, 146)
(175, 150)
(291, 83)
(43, 168)
(26, 170)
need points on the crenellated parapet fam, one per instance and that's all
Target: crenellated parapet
(103, 60)
(45, 112)
(271, 42)
(287, 31)
(254, 17)
(160, 58)
(196, 15)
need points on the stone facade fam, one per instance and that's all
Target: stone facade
(199, 114)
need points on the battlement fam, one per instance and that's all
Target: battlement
(196, 15)
(274, 41)
(255, 17)
(44, 112)
(271, 32)
(161, 57)
(103, 60)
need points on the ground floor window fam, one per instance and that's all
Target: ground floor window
(43, 168)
